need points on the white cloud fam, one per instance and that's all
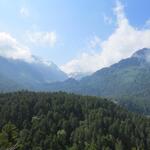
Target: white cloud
(24, 12)
(124, 41)
(85, 63)
(11, 48)
(43, 38)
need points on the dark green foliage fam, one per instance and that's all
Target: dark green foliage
(8, 136)
(59, 121)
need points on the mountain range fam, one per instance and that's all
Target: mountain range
(19, 74)
(127, 81)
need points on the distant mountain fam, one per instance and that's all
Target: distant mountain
(127, 80)
(78, 75)
(18, 74)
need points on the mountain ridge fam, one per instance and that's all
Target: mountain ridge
(29, 75)
(128, 78)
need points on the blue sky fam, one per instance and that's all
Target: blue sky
(67, 32)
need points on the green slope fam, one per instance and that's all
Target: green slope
(59, 121)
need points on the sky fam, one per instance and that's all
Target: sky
(80, 36)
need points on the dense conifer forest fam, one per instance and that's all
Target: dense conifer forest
(60, 121)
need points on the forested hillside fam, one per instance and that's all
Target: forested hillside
(128, 81)
(60, 121)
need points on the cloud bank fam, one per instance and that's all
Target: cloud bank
(124, 41)
(11, 48)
